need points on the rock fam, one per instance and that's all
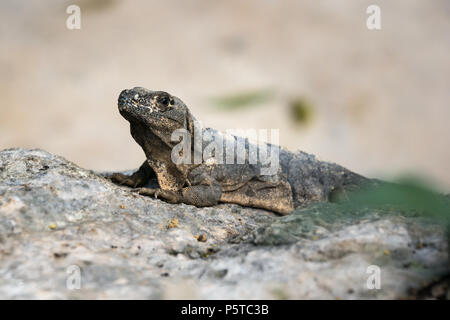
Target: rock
(67, 233)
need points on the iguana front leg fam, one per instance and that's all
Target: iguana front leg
(206, 193)
(137, 179)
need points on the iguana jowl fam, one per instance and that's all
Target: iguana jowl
(155, 115)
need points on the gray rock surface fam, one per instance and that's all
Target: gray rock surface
(56, 217)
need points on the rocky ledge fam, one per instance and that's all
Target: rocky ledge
(69, 233)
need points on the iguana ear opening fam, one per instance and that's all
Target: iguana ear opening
(190, 122)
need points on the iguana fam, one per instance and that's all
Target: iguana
(155, 115)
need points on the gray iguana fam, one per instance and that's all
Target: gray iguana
(155, 115)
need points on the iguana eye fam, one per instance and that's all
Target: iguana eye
(164, 100)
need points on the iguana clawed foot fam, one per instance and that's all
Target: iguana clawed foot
(125, 180)
(169, 196)
(137, 179)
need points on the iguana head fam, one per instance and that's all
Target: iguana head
(155, 111)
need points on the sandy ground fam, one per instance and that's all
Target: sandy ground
(380, 99)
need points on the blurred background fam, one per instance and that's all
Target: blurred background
(377, 102)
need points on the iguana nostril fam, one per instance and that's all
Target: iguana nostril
(123, 97)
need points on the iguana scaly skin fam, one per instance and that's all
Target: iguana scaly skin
(155, 115)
